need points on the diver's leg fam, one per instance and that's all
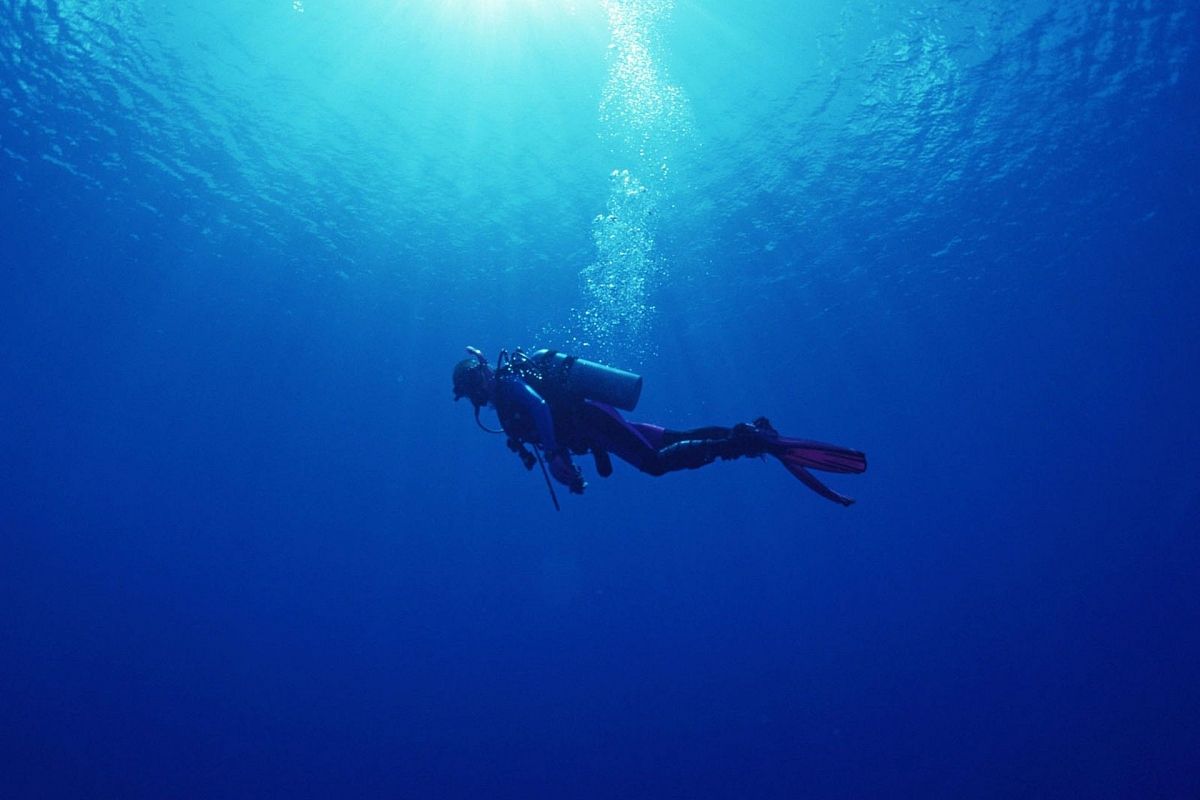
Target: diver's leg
(758, 439)
(634, 443)
(701, 446)
(670, 437)
(656, 451)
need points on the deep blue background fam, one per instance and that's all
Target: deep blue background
(249, 548)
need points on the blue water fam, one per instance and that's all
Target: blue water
(250, 548)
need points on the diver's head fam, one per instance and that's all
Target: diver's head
(473, 379)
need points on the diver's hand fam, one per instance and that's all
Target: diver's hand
(565, 472)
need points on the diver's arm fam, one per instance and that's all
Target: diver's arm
(532, 405)
(525, 399)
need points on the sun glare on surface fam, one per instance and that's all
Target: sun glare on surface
(479, 29)
(501, 12)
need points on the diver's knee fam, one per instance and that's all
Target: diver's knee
(654, 467)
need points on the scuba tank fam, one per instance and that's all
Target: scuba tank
(599, 382)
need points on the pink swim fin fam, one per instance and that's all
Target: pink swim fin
(798, 456)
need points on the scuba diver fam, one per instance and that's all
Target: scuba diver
(562, 405)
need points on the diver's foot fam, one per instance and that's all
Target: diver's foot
(755, 439)
(764, 426)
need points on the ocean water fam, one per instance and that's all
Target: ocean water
(250, 548)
